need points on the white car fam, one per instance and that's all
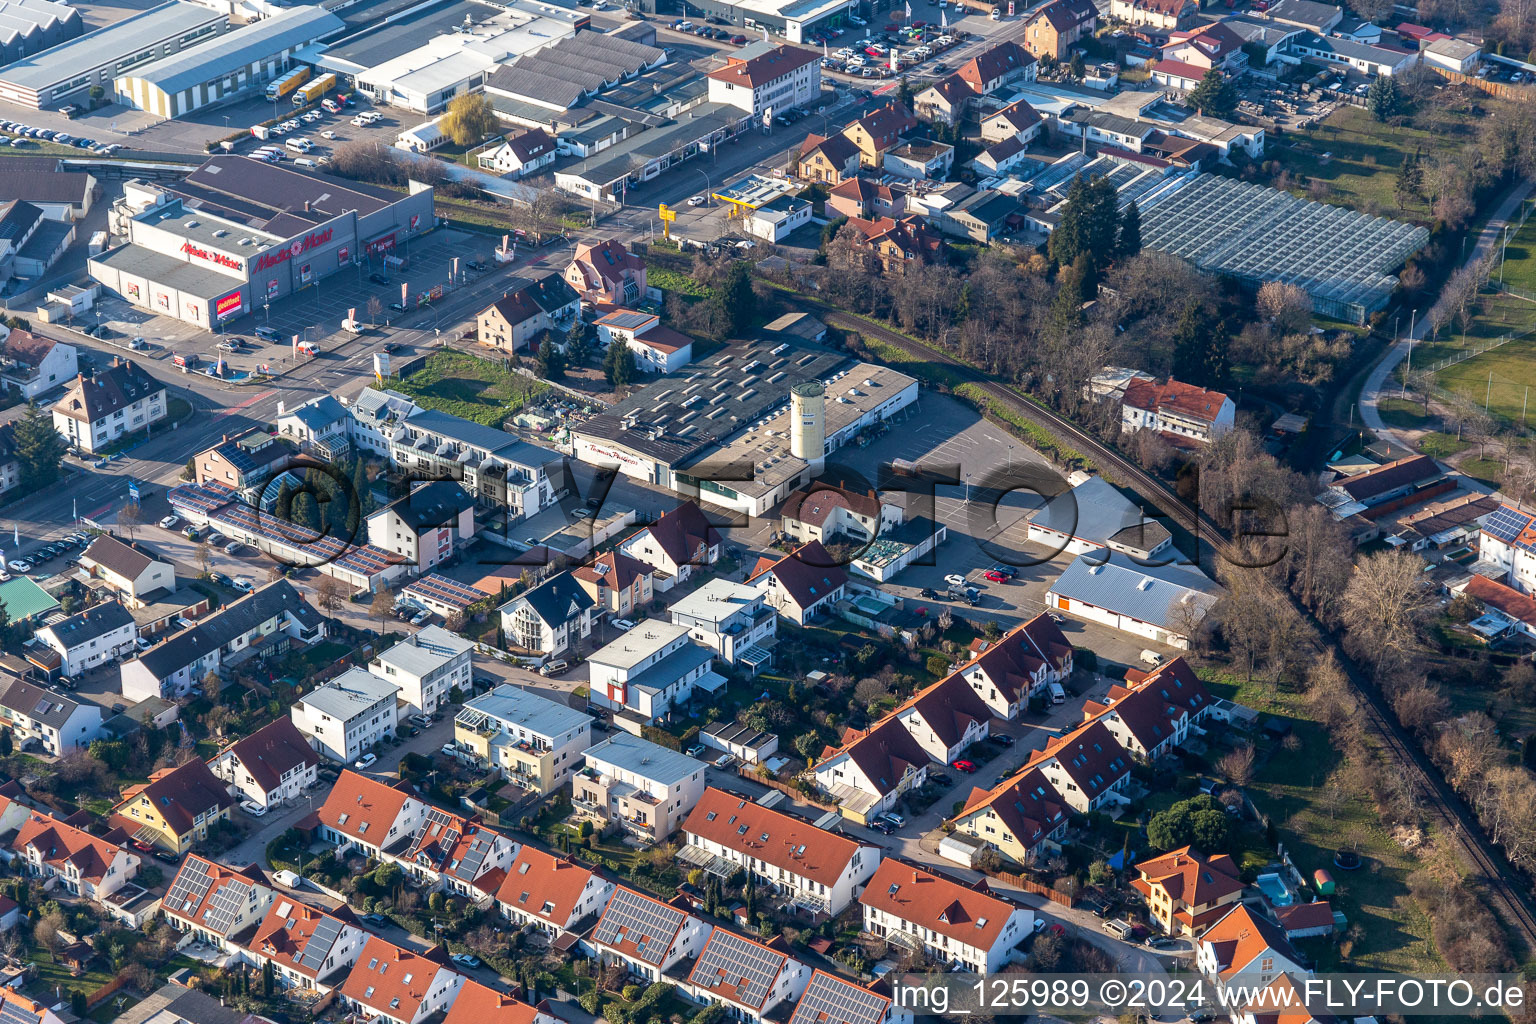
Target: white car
(244, 584)
(327, 134)
(359, 121)
(20, 565)
(255, 809)
(696, 200)
(954, 579)
(169, 523)
(366, 761)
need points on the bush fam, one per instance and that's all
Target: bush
(938, 665)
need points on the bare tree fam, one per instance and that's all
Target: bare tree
(212, 684)
(204, 555)
(129, 518)
(1237, 765)
(1287, 306)
(382, 604)
(328, 594)
(1384, 606)
(46, 932)
(375, 310)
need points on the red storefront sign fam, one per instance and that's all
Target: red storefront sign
(211, 257)
(378, 245)
(273, 257)
(228, 306)
(342, 254)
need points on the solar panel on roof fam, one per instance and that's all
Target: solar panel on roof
(829, 1000)
(15, 1013)
(226, 904)
(191, 885)
(469, 868)
(730, 961)
(643, 922)
(319, 945)
(1506, 524)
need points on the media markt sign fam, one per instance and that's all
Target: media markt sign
(272, 257)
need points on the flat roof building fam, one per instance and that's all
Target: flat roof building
(240, 61)
(67, 71)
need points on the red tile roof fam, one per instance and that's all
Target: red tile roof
(613, 569)
(814, 504)
(808, 574)
(1174, 395)
(606, 261)
(1518, 606)
(59, 844)
(1390, 476)
(780, 840)
(1020, 116)
(781, 61)
(886, 125)
(480, 1004)
(1241, 937)
(26, 347)
(938, 904)
(284, 934)
(1305, 916)
(196, 910)
(839, 150)
(273, 750)
(391, 980)
(1190, 877)
(362, 808)
(994, 63)
(544, 885)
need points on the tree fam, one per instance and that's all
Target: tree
(40, 449)
(619, 365)
(1287, 306)
(1410, 179)
(1130, 231)
(1076, 69)
(1382, 98)
(550, 363)
(328, 594)
(1090, 223)
(212, 684)
(1214, 96)
(577, 348)
(382, 604)
(375, 310)
(1384, 605)
(46, 932)
(204, 555)
(1198, 820)
(7, 744)
(1200, 344)
(1237, 765)
(128, 519)
(469, 119)
(736, 301)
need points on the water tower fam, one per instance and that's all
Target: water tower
(808, 421)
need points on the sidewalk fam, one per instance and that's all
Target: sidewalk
(1371, 391)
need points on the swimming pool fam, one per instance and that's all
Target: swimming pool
(1274, 887)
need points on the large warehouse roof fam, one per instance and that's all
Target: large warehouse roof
(1342, 259)
(32, 20)
(132, 35)
(275, 198)
(378, 44)
(239, 47)
(634, 152)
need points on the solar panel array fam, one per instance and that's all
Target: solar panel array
(830, 1000)
(441, 829)
(445, 591)
(15, 1013)
(640, 922)
(228, 899)
(319, 945)
(468, 869)
(730, 961)
(190, 887)
(1506, 524)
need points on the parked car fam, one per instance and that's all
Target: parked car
(19, 565)
(1004, 740)
(993, 576)
(244, 584)
(939, 779)
(895, 819)
(221, 579)
(376, 920)
(466, 960)
(882, 826)
(962, 765)
(421, 720)
(252, 808)
(170, 523)
(724, 761)
(366, 761)
(378, 278)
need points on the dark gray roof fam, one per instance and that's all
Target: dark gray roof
(117, 556)
(558, 599)
(93, 623)
(39, 704)
(256, 193)
(42, 186)
(438, 503)
(229, 622)
(377, 43)
(475, 435)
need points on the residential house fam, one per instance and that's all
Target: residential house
(346, 717)
(1000, 158)
(1505, 610)
(364, 814)
(813, 868)
(998, 66)
(867, 199)
(550, 619)
(732, 620)
(830, 160)
(981, 216)
(131, 570)
(1186, 416)
(825, 511)
(1023, 816)
(532, 740)
(480, 1004)
(748, 978)
(920, 160)
(1162, 603)
(399, 986)
(803, 585)
(768, 82)
(1164, 15)
(308, 948)
(879, 131)
(246, 461)
(426, 667)
(679, 541)
(1094, 518)
(211, 903)
(30, 241)
(10, 465)
(525, 310)
(271, 766)
(952, 923)
(321, 425)
(945, 101)
(830, 999)
(56, 723)
(268, 621)
(1508, 543)
(112, 402)
(617, 583)
(945, 718)
(97, 636)
(1053, 30)
(459, 855)
(1187, 891)
(521, 154)
(657, 349)
(1246, 948)
(1021, 665)
(646, 935)
(375, 415)
(550, 892)
(606, 272)
(891, 246)
(871, 770)
(1152, 717)
(500, 469)
(645, 789)
(176, 808)
(15, 1006)
(1374, 61)
(1017, 120)
(1388, 487)
(83, 864)
(426, 526)
(1215, 45)
(1087, 766)
(32, 364)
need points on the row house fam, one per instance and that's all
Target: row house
(459, 855)
(72, 858)
(646, 935)
(819, 870)
(945, 718)
(399, 986)
(550, 892)
(364, 814)
(747, 977)
(1023, 664)
(308, 949)
(211, 903)
(475, 1003)
(1088, 766)
(1154, 716)
(952, 923)
(872, 770)
(830, 999)
(1023, 817)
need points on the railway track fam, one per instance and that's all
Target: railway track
(1500, 883)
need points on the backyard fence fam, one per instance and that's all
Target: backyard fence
(1477, 349)
(1032, 886)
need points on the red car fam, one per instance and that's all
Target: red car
(1057, 929)
(738, 40)
(963, 766)
(993, 576)
(141, 846)
(871, 51)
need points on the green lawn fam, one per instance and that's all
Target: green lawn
(1441, 445)
(1488, 471)
(674, 282)
(1288, 786)
(1400, 413)
(1513, 371)
(1520, 258)
(1358, 157)
(465, 385)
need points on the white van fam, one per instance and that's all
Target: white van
(305, 161)
(1058, 695)
(299, 144)
(1151, 657)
